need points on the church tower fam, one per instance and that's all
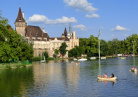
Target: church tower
(20, 23)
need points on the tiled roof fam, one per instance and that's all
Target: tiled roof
(20, 16)
(35, 31)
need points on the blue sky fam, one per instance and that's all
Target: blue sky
(115, 18)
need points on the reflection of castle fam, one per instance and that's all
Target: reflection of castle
(66, 75)
(42, 41)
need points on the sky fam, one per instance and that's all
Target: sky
(114, 18)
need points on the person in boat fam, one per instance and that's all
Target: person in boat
(132, 68)
(135, 69)
(112, 75)
(105, 75)
(76, 63)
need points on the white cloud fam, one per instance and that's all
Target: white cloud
(119, 28)
(43, 19)
(37, 18)
(82, 5)
(92, 16)
(80, 27)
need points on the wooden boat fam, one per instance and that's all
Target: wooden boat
(107, 79)
(133, 70)
(99, 80)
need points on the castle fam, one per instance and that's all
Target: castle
(41, 40)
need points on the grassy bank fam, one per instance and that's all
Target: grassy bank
(20, 64)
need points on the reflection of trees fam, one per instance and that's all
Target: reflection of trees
(15, 82)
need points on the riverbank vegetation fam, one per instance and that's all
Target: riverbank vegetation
(89, 47)
(12, 45)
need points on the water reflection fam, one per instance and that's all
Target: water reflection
(105, 82)
(134, 61)
(56, 74)
(15, 82)
(99, 66)
(60, 78)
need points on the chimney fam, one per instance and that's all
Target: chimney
(23, 14)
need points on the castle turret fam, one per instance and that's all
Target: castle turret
(20, 23)
(65, 33)
(74, 36)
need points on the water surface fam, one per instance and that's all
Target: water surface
(61, 78)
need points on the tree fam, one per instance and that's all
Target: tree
(62, 49)
(56, 52)
(3, 20)
(11, 44)
(75, 52)
(26, 51)
(46, 54)
(103, 47)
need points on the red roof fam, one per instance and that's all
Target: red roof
(20, 16)
(35, 31)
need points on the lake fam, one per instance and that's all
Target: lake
(61, 78)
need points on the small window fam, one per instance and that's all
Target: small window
(36, 34)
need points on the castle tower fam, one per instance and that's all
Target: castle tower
(70, 32)
(20, 23)
(65, 32)
(74, 36)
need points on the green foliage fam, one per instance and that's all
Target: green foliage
(26, 52)
(62, 49)
(75, 52)
(46, 54)
(50, 58)
(3, 21)
(12, 45)
(56, 51)
(89, 46)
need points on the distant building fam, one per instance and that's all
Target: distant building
(41, 40)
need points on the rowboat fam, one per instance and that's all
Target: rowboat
(108, 78)
(99, 80)
(133, 70)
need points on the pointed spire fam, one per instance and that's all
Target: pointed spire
(65, 32)
(20, 16)
(70, 28)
